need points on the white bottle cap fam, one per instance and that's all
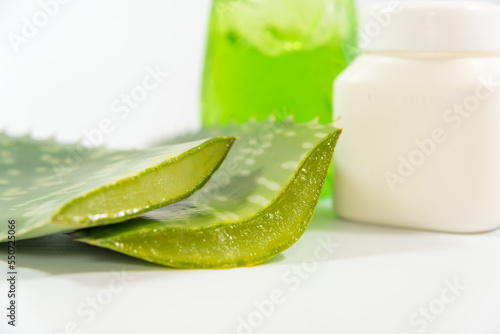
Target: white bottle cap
(431, 26)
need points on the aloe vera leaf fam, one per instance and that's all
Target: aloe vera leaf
(255, 206)
(48, 187)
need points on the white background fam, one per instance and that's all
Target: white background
(64, 80)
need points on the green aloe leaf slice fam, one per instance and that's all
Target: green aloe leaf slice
(256, 205)
(48, 187)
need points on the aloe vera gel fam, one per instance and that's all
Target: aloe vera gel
(420, 110)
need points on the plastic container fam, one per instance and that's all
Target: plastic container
(275, 57)
(420, 109)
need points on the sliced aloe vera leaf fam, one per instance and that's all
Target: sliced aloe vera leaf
(48, 187)
(256, 205)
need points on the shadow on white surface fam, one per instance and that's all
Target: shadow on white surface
(360, 240)
(59, 254)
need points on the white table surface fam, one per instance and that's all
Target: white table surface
(372, 280)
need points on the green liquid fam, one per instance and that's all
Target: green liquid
(299, 83)
(275, 57)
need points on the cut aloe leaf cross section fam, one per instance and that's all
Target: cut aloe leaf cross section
(256, 205)
(48, 187)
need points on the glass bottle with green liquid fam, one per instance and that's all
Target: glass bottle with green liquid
(275, 57)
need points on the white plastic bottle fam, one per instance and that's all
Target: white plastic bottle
(420, 112)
